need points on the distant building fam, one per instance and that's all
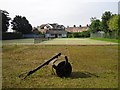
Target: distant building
(53, 30)
(55, 34)
(77, 29)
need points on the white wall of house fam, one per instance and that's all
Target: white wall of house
(64, 35)
(53, 35)
(47, 27)
(49, 35)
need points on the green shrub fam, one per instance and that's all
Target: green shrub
(79, 34)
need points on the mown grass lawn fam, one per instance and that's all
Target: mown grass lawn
(58, 41)
(107, 39)
(18, 41)
(75, 41)
(93, 66)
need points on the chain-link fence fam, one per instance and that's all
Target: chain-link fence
(99, 34)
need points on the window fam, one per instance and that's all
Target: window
(60, 34)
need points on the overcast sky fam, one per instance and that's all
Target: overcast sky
(66, 12)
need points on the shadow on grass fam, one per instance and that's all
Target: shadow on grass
(76, 75)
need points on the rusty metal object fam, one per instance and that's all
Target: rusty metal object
(63, 69)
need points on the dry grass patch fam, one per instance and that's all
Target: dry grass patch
(93, 66)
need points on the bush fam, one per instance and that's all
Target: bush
(70, 35)
(11, 35)
(79, 34)
(85, 33)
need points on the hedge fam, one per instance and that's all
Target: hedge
(84, 34)
(11, 35)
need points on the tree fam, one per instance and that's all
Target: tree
(92, 19)
(95, 25)
(114, 25)
(36, 31)
(5, 20)
(21, 24)
(119, 27)
(105, 18)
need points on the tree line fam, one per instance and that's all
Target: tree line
(19, 23)
(109, 23)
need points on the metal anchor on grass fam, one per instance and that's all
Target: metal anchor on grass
(63, 69)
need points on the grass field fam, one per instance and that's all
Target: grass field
(75, 41)
(19, 41)
(59, 41)
(107, 39)
(93, 66)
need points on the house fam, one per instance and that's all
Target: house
(76, 29)
(42, 29)
(55, 34)
(53, 30)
